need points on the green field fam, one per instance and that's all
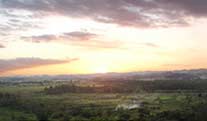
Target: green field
(33, 103)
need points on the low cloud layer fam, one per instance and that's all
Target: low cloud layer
(76, 38)
(82, 36)
(70, 36)
(22, 63)
(40, 38)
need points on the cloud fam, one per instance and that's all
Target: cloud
(136, 13)
(151, 45)
(70, 36)
(188, 7)
(22, 63)
(80, 35)
(84, 39)
(76, 38)
(13, 22)
(40, 38)
(106, 11)
(143, 45)
(2, 46)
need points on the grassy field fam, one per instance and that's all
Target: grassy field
(7, 114)
(32, 103)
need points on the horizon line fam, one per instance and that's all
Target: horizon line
(81, 74)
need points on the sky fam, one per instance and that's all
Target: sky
(98, 36)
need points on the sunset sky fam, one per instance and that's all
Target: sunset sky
(97, 36)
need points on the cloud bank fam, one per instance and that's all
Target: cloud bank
(136, 13)
(75, 38)
(22, 63)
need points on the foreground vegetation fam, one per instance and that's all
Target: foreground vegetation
(102, 101)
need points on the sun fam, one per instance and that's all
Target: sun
(101, 70)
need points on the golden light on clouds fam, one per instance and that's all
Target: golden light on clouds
(103, 40)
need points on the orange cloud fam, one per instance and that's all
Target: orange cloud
(22, 63)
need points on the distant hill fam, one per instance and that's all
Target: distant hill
(195, 74)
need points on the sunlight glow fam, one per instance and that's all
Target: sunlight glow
(101, 69)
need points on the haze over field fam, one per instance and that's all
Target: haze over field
(99, 36)
(103, 60)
